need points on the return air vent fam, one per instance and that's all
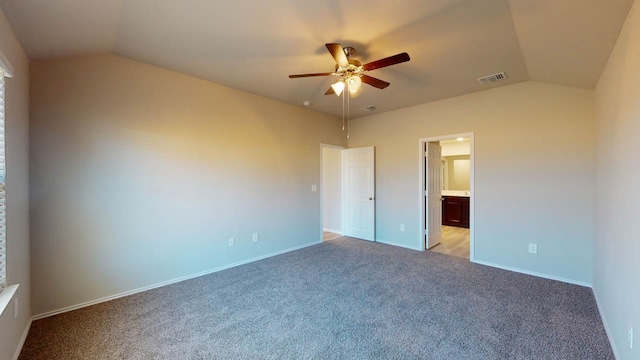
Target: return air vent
(369, 108)
(492, 78)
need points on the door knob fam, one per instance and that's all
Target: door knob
(370, 198)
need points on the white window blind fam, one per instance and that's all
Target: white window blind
(3, 207)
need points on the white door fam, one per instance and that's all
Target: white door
(359, 193)
(433, 194)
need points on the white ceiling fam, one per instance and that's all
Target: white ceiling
(252, 45)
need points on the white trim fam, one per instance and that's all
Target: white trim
(169, 282)
(3, 187)
(323, 145)
(533, 273)
(472, 227)
(6, 295)
(607, 329)
(6, 66)
(398, 244)
(25, 333)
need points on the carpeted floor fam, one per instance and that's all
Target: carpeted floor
(342, 299)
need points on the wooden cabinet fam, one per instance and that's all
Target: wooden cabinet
(455, 211)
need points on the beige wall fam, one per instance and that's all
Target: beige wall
(534, 149)
(141, 175)
(617, 228)
(461, 174)
(17, 152)
(458, 172)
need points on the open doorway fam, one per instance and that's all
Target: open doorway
(331, 191)
(447, 194)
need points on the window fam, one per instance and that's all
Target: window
(3, 222)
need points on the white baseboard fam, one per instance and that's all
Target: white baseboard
(607, 329)
(333, 231)
(397, 244)
(25, 333)
(169, 282)
(533, 273)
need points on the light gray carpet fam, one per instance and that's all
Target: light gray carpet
(343, 299)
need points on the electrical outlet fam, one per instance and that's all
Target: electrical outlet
(255, 237)
(231, 242)
(533, 248)
(630, 337)
(314, 188)
(401, 227)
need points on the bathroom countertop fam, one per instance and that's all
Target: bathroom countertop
(463, 193)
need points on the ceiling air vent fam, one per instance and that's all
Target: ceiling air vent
(492, 78)
(369, 108)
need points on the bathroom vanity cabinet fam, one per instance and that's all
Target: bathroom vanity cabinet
(455, 211)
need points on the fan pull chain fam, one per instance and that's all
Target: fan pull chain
(348, 113)
(343, 112)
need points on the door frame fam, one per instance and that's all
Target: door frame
(421, 190)
(321, 187)
(432, 238)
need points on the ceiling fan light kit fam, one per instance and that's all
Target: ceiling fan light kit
(354, 83)
(338, 87)
(351, 74)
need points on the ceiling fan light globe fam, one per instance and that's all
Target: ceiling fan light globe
(354, 82)
(338, 87)
(355, 92)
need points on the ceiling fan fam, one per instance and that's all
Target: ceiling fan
(351, 71)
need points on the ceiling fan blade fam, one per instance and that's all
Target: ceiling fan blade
(309, 75)
(388, 61)
(380, 84)
(330, 91)
(338, 54)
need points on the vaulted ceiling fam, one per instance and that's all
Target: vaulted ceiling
(252, 45)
